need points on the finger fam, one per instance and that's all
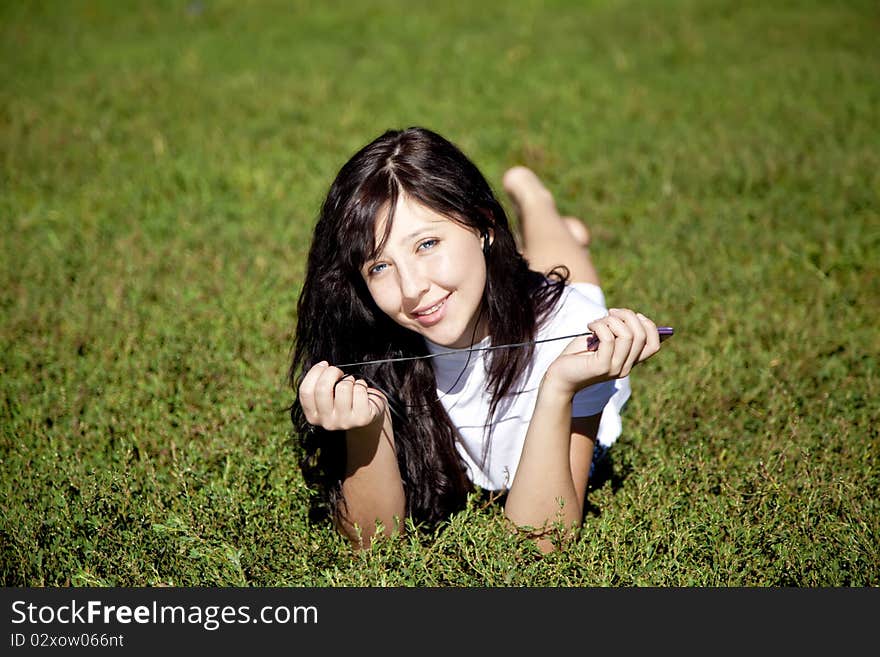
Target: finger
(605, 350)
(631, 319)
(361, 408)
(639, 337)
(325, 397)
(307, 391)
(622, 343)
(652, 343)
(343, 393)
(377, 400)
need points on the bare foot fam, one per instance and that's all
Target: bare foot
(532, 198)
(527, 191)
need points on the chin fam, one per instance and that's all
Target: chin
(460, 340)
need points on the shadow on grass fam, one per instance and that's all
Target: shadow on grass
(605, 474)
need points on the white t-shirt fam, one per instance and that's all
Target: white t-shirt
(461, 387)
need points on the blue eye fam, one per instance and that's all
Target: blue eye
(427, 244)
(376, 269)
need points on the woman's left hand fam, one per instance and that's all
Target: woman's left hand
(625, 338)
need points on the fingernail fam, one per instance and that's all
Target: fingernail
(641, 316)
(324, 363)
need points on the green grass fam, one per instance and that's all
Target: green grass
(163, 163)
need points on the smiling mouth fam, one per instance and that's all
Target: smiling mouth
(430, 311)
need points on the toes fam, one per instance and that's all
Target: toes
(525, 188)
(578, 230)
(516, 177)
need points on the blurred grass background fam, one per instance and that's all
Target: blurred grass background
(162, 167)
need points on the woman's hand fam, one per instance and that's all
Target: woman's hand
(625, 338)
(338, 402)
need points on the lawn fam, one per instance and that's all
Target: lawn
(162, 167)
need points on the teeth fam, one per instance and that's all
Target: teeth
(431, 310)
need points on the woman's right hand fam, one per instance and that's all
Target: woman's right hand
(337, 401)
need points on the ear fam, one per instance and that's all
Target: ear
(488, 233)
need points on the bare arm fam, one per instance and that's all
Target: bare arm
(372, 488)
(553, 468)
(554, 464)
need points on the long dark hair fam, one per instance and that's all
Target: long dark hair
(339, 322)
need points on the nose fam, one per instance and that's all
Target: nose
(413, 283)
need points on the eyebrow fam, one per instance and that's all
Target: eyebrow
(423, 229)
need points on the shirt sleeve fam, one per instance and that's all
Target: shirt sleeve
(592, 399)
(609, 398)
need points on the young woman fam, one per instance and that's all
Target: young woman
(434, 354)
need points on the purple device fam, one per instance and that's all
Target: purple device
(663, 332)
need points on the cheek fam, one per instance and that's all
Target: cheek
(472, 266)
(461, 268)
(443, 271)
(385, 297)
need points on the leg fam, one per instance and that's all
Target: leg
(549, 239)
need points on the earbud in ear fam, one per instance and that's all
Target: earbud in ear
(486, 242)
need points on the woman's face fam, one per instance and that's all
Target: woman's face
(430, 275)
